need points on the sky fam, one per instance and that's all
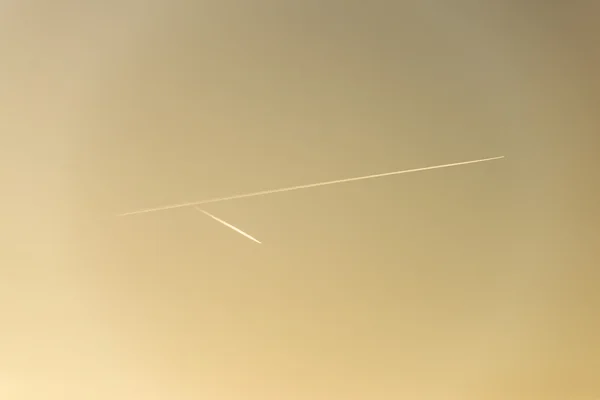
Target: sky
(474, 282)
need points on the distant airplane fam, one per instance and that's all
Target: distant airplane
(238, 230)
(288, 189)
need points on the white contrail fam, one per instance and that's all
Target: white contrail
(228, 225)
(264, 192)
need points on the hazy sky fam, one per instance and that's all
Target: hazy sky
(476, 282)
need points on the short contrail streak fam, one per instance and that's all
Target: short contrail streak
(241, 232)
(288, 189)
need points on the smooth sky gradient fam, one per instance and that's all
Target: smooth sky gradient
(475, 282)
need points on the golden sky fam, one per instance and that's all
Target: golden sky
(475, 282)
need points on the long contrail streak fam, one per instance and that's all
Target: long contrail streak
(228, 225)
(288, 189)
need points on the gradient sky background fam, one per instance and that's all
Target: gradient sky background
(476, 282)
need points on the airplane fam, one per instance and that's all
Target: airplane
(288, 189)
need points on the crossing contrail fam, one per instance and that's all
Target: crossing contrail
(227, 225)
(311, 185)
